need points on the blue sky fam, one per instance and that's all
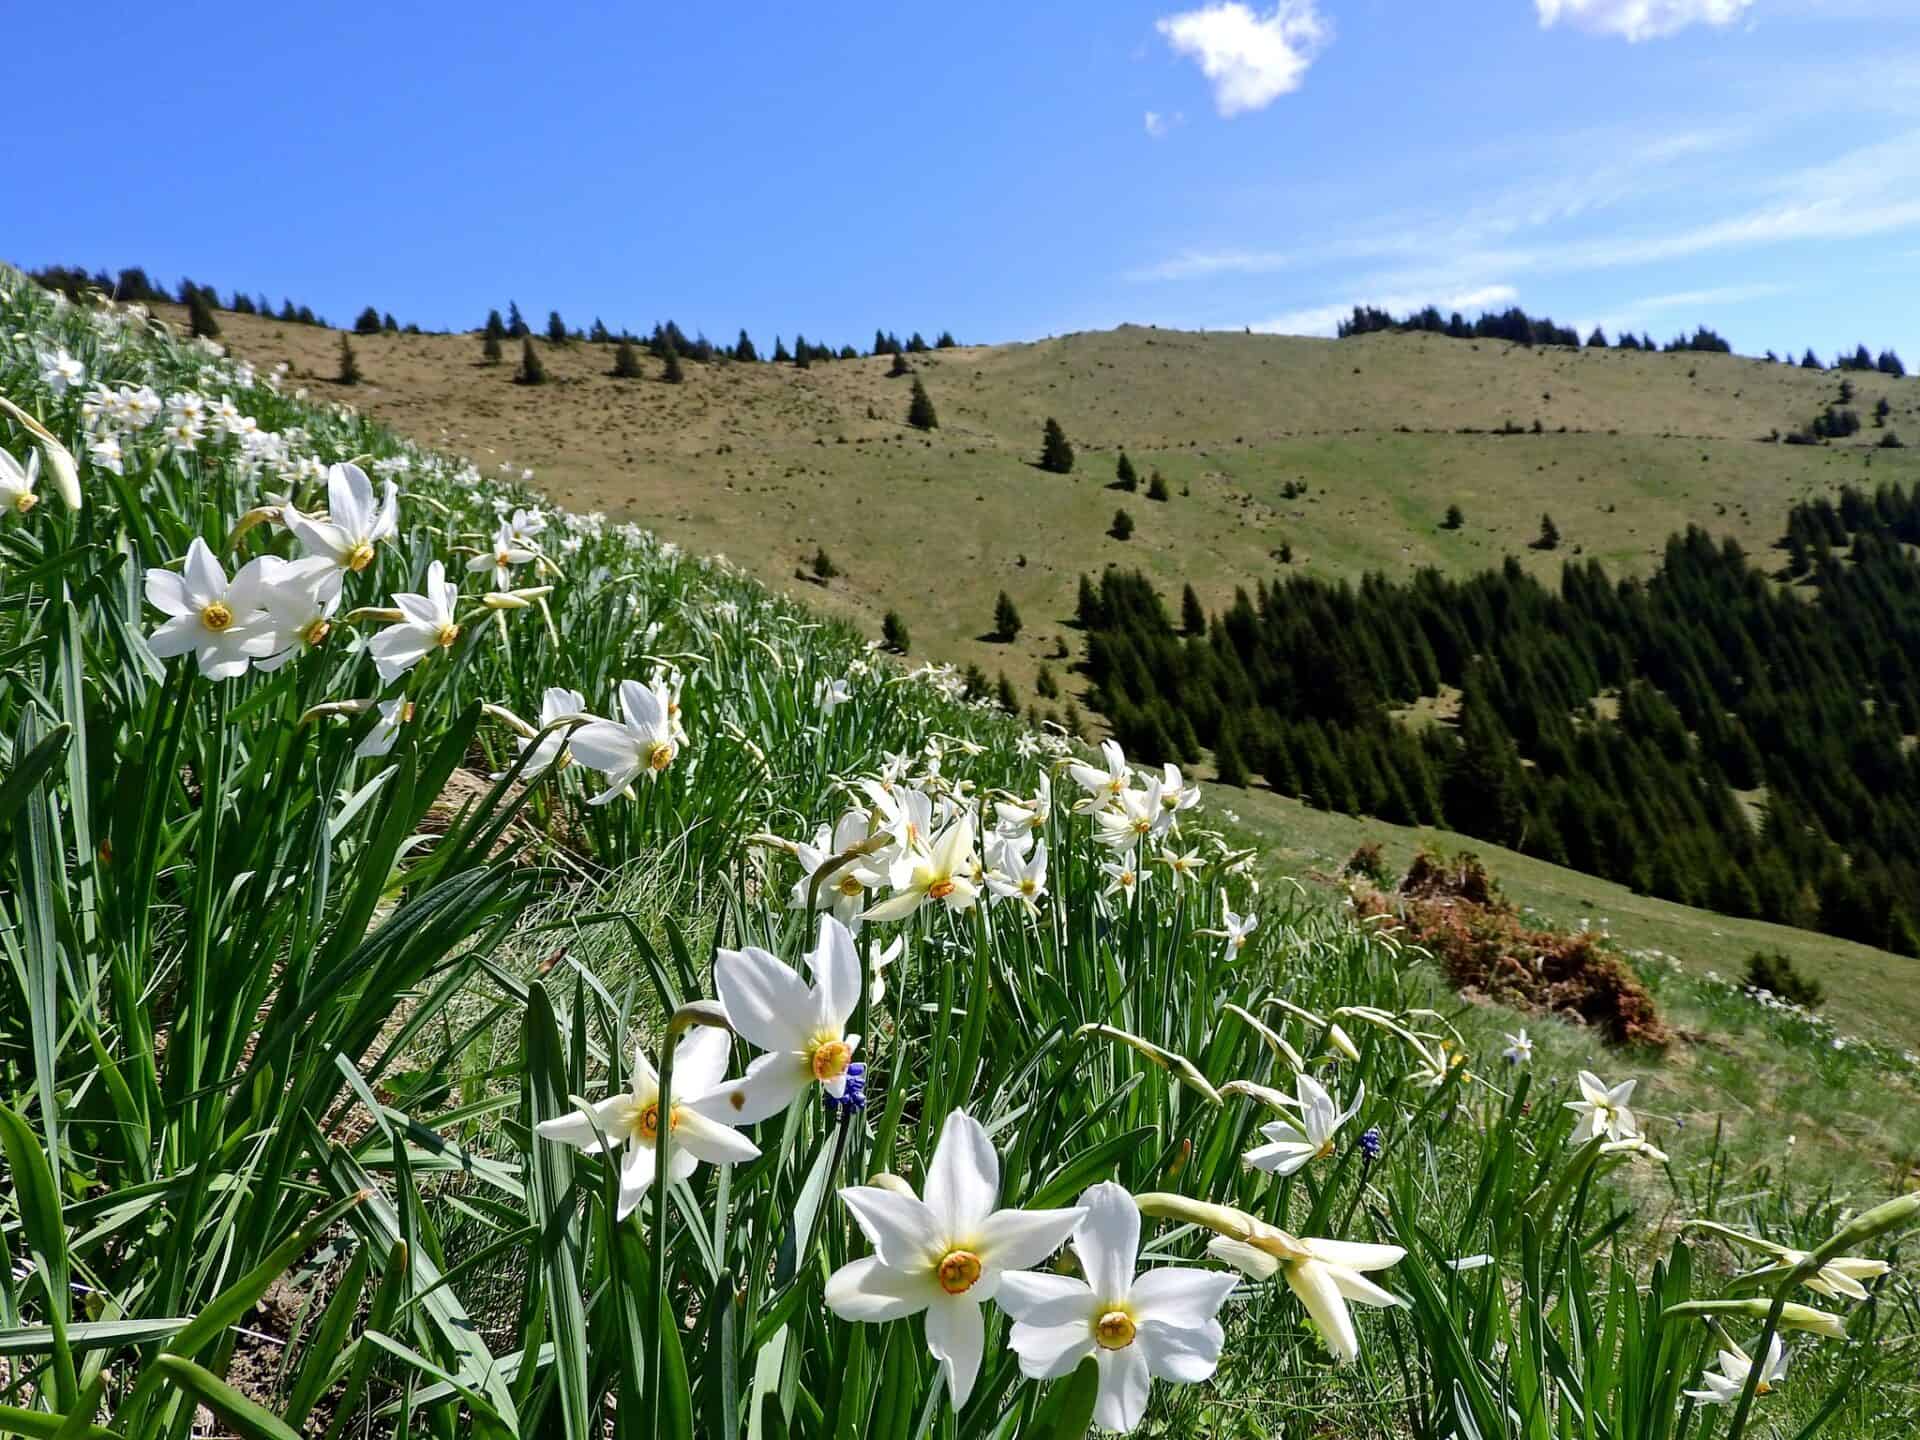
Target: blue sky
(1005, 170)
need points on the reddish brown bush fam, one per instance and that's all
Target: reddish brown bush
(1453, 909)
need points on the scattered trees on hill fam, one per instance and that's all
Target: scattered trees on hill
(1056, 452)
(1513, 324)
(531, 371)
(920, 412)
(349, 367)
(368, 322)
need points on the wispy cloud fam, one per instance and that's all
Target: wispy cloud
(1156, 124)
(1252, 59)
(1325, 319)
(1636, 20)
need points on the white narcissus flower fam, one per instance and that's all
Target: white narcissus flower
(946, 1254)
(802, 1028)
(216, 619)
(1123, 880)
(830, 695)
(1021, 879)
(1234, 929)
(385, 733)
(1323, 1274)
(1013, 817)
(299, 597)
(945, 874)
(1158, 1325)
(60, 371)
(1182, 870)
(640, 743)
(1603, 1110)
(354, 523)
(104, 450)
(1519, 1048)
(1102, 785)
(500, 558)
(426, 625)
(1725, 1386)
(631, 1120)
(1175, 794)
(1134, 817)
(1291, 1147)
(844, 892)
(17, 482)
(551, 748)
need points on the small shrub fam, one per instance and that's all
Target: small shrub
(1122, 527)
(1776, 974)
(823, 565)
(1157, 487)
(1369, 862)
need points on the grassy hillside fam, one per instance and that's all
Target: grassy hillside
(768, 463)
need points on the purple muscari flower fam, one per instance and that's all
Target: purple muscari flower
(854, 1098)
(1371, 1144)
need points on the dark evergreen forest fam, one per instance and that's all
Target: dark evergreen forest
(1724, 733)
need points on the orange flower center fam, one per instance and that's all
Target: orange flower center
(830, 1059)
(659, 756)
(316, 633)
(959, 1271)
(1114, 1330)
(940, 889)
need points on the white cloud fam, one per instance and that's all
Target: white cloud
(1251, 59)
(1635, 20)
(1156, 124)
(1325, 319)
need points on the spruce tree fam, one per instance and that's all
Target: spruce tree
(780, 355)
(516, 322)
(349, 367)
(670, 368)
(626, 360)
(1229, 767)
(946, 341)
(1006, 619)
(1009, 702)
(1056, 453)
(200, 317)
(531, 371)
(1549, 534)
(920, 413)
(743, 348)
(1045, 685)
(893, 633)
(1157, 487)
(599, 334)
(1193, 619)
(556, 328)
(496, 328)
(368, 322)
(389, 324)
(1125, 476)
(1122, 528)
(490, 348)
(899, 367)
(1597, 340)
(1455, 519)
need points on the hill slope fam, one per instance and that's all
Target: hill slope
(768, 463)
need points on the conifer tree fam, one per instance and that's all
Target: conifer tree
(388, 323)
(1455, 519)
(1125, 476)
(349, 367)
(893, 633)
(1006, 619)
(743, 348)
(780, 355)
(626, 360)
(1597, 340)
(1157, 487)
(599, 335)
(671, 370)
(946, 341)
(1056, 452)
(1009, 702)
(200, 317)
(920, 412)
(490, 348)
(1045, 685)
(556, 328)
(531, 371)
(899, 367)
(823, 565)
(496, 328)
(1549, 534)
(368, 322)
(1193, 619)
(517, 328)
(1122, 528)
(1229, 767)
(1073, 722)
(802, 355)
